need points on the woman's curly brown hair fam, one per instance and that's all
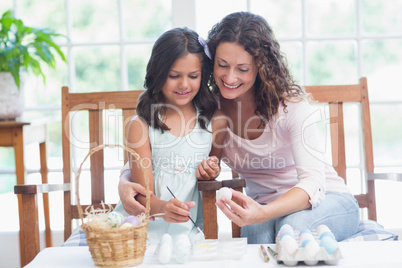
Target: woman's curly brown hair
(274, 83)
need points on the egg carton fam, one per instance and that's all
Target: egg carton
(306, 254)
(211, 249)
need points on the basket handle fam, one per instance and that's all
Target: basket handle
(133, 153)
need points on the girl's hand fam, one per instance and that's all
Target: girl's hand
(248, 212)
(177, 211)
(208, 169)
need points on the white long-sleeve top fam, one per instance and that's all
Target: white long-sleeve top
(287, 154)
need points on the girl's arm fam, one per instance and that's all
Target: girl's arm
(138, 139)
(209, 169)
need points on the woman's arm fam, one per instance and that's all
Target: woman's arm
(251, 212)
(138, 139)
(209, 169)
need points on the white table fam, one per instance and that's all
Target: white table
(382, 254)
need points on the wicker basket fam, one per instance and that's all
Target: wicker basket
(115, 247)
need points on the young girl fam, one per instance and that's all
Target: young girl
(178, 126)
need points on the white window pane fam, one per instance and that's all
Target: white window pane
(353, 128)
(387, 134)
(331, 62)
(382, 64)
(330, 17)
(293, 53)
(210, 12)
(97, 68)
(284, 17)
(146, 19)
(34, 14)
(5, 5)
(94, 20)
(382, 17)
(137, 60)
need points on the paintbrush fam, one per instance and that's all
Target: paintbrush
(198, 228)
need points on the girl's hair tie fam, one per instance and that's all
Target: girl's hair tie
(205, 46)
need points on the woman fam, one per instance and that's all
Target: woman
(267, 140)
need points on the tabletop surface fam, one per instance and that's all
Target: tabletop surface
(354, 254)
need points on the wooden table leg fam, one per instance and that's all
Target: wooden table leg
(44, 172)
(18, 144)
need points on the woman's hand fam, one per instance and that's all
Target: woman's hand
(177, 211)
(248, 212)
(208, 169)
(128, 191)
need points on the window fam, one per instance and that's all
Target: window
(326, 42)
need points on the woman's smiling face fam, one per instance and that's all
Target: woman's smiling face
(234, 70)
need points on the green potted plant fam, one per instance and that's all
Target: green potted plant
(22, 49)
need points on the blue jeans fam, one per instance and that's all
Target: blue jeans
(338, 211)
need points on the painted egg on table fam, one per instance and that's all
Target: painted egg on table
(286, 228)
(182, 248)
(322, 229)
(329, 234)
(285, 234)
(329, 244)
(224, 192)
(305, 236)
(115, 219)
(133, 220)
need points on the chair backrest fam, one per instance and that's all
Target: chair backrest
(336, 96)
(95, 103)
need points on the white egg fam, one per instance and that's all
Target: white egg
(289, 244)
(165, 253)
(311, 249)
(165, 249)
(166, 238)
(224, 192)
(182, 248)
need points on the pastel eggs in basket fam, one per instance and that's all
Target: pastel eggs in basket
(117, 220)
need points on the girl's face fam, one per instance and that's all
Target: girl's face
(183, 81)
(234, 70)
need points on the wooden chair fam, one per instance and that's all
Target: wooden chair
(336, 96)
(95, 104)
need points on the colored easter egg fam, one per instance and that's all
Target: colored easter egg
(322, 229)
(305, 236)
(115, 219)
(224, 192)
(285, 234)
(286, 227)
(126, 225)
(329, 244)
(133, 220)
(329, 234)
